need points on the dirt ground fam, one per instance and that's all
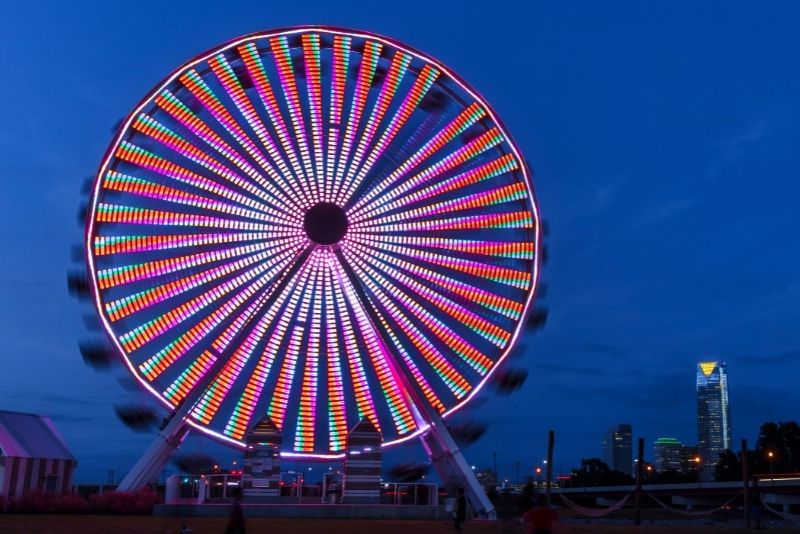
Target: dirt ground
(79, 524)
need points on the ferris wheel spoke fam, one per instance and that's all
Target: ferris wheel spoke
(149, 161)
(452, 161)
(181, 113)
(340, 64)
(501, 249)
(468, 293)
(286, 376)
(182, 386)
(391, 82)
(131, 244)
(313, 72)
(440, 364)
(483, 327)
(154, 366)
(442, 367)
(464, 120)
(136, 302)
(200, 90)
(401, 405)
(266, 192)
(258, 74)
(307, 412)
(481, 270)
(512, 219)
(115, 213)
(233, 87)
(131, 185)
(362, 392)
(415, 95)
(472, 356)
(242, 414)
(423, 384)
(148, 331)
(500, 166)
(133, 272)
(272, 301)
(283, 62)
(492, 197)
(366, 73)
(337, 407)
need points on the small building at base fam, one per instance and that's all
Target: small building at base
(362, 464)
(33, 456)
(262, 460)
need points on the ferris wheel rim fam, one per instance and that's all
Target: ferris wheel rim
(91, 222)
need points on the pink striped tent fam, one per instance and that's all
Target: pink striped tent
(33, 456)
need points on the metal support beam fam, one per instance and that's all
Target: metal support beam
(453, 468)
(157, 454)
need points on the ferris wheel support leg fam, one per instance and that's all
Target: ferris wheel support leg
(156, 456)
(453, 468)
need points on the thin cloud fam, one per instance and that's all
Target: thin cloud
(782, 357)
(665, 211)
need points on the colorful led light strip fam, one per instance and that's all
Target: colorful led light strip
(366, 72)
(412, 99)
(463, 121)
(306, 415)
(213, 397)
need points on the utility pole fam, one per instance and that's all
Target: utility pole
(551, 440)
(639, 466)
(746, 482)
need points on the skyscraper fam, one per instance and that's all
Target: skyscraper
(713, 414)
(617, 448)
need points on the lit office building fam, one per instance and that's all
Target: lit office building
(713, 414)
(617, 452)
(668, 452)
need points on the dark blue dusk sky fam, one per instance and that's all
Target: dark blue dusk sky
(665, 143)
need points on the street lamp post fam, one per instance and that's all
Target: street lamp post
(771, 456)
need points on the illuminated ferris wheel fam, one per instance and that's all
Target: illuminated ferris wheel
(317, 225)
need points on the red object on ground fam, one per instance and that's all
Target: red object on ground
(539, 519)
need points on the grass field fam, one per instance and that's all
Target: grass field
(72, 524)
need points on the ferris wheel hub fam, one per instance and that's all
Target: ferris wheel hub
(325, 223)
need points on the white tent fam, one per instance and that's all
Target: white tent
(33, 456)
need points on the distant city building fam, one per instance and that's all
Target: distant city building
(668, 454)
(713, 414)
(617, 453)
(487, 478)
(690, 459)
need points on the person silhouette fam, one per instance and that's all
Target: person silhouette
(460, 513)
(236, 519)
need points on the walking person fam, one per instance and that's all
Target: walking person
(460, 513)
(236, 519)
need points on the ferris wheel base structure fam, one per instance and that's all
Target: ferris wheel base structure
(442, 450)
